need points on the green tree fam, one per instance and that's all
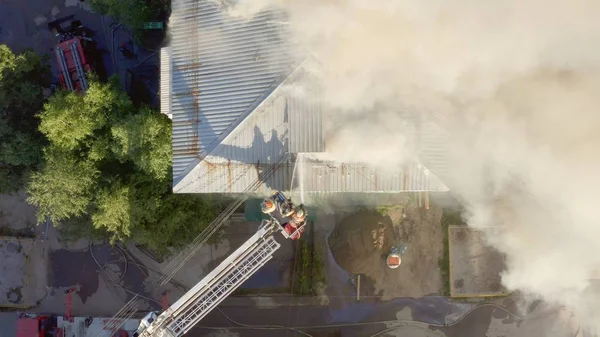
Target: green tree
(132, 13)
(22, 79)
(191, 213)
(71, 120)
(64, 188)
(108, 171)
(145, 139)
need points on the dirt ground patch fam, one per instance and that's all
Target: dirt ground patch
(475, 267)
(16, 213)
(362, 240)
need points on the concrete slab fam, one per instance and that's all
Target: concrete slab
(15, 272)
(475, 267)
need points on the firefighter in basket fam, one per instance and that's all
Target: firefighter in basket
(268, 206)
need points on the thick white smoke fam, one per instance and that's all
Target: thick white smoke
(515, 83)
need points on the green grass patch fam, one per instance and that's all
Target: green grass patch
(481, 299)
(384, 210)
(260, 292)
(444, 262)
(309, 268)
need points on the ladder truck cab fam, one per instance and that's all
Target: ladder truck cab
(194, 305)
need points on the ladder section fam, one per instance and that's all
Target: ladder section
(230, 281)
(60, 56)
(78, 65)
(182, 315)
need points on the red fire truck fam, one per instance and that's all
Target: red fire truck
(73, 64)
(73, 55)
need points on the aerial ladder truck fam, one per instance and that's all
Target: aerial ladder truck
(185, 313)
(73, 55)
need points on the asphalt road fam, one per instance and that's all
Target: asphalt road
(24, 24)
(486, 321)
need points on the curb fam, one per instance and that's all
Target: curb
(270, 301)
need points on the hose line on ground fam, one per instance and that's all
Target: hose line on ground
(117, 281)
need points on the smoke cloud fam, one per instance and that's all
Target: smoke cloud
(513, 83)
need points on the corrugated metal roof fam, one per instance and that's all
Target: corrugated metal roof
(432, 149)
(428, 141)
(306, 124)
(258, 141)
(165, 81)
(262, 137)
(221, 68)
(330, 177)
(305, 113)
(265, 136)
(233, 112)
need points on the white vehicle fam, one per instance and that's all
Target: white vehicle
(194, 305)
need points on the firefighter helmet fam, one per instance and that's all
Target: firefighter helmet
(268, 206)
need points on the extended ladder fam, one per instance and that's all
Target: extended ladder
(78, 65)
(217, 285)
(60, 56)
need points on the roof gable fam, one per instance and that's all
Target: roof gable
(220, 69)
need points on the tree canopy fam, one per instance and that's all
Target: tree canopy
(108, 164)
(132, 13)
(22, 80)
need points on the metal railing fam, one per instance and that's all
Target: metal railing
(64, 69)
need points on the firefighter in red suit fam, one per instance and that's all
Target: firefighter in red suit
(295, 225)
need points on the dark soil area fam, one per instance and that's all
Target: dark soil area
(360, 241)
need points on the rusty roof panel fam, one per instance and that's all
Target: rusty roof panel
(329, 177)
(221, 68)
(230, 177)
